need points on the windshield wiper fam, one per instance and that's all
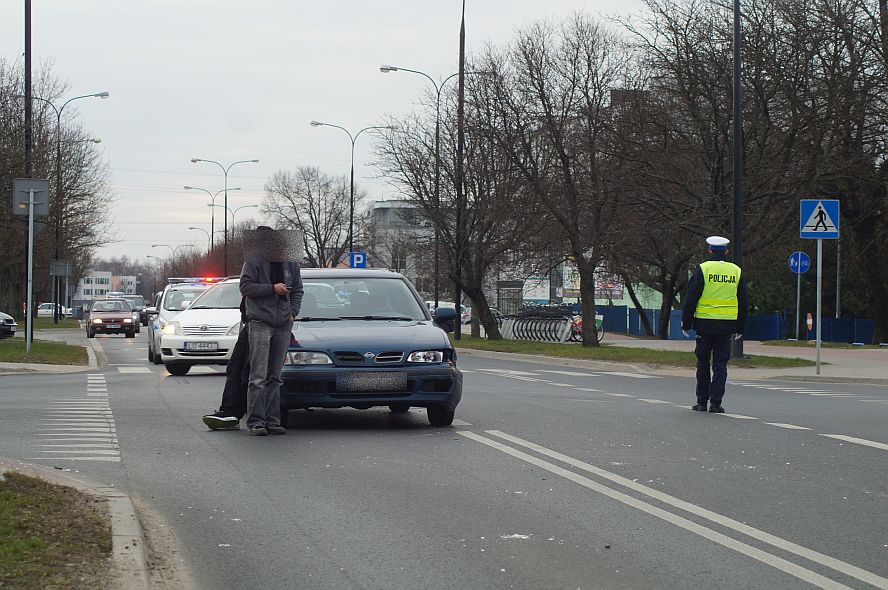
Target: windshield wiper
(311, 319)
(376, 317)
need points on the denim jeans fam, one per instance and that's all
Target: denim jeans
(268, 346)
(711, 388)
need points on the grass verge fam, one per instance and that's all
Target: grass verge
(51, 536)
(812, 344)
(620, 354)
(12, 350)
(46, 324)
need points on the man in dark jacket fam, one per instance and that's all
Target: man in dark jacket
(237, 376)
(273, 293)
(715, 307)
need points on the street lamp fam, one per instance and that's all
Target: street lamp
(225, 172)
(385, 69)
(209, 238)
(162, 265)
(172, 250)
(235, 210)
(59, 198)
(212, 211)
(351, 206)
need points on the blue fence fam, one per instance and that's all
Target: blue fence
(844, 330)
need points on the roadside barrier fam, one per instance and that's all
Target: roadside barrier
(554, 329)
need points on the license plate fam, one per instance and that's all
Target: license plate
(201, 345)
(112, 325)
(371, 381)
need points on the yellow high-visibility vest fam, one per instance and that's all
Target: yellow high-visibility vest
(719, 298)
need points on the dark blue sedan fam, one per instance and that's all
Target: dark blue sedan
(364, 338)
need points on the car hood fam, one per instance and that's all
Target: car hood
(226, 317)
(359, 335)
(5, 316)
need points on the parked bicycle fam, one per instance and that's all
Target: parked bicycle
(576, 328)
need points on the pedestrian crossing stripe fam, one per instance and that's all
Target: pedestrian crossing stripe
(819, 218)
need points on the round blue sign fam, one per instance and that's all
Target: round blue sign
(799, 262)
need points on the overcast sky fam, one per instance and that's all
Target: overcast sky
(227, 81)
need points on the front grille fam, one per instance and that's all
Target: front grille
(210, 331)
(389, 357)
(113, 320)
(349, 358)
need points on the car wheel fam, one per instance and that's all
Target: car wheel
(399, 408)
(150, 355)
(155, 357)
(178, 369)
(440, 416)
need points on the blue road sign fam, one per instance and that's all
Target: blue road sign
(357, 259)
(799, 262)
(819, 219)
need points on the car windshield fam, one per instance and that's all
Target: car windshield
(179, 299)
(221, 296)
(136, 300)
(371, 297)
(103, 306)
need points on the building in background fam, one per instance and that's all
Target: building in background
(96, 284)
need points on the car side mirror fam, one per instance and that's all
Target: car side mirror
(445, 318)
(151, 310)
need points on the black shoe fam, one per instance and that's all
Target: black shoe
(275, 429)
(699, 407)
(258, 431)
(716, 409)
(220, 421)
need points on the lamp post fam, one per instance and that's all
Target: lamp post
(162, 267)
(212, 211)
(58, 191)
(234, 212)
(385, 69)
(351, 206)
(225, 190)
(172, 250)
(209, 238)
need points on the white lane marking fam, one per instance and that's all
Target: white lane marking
(618, 394)
(127, 370)
(835, 395)
(570, 373)
(97, 451)
(587, 389)
(98, 394)
(633, 375)
(466, 371)
(519, 377)
(563, 384)
(858, 441)
(95, 445)
(198, 370)
(114, 459)
(738, 416)
(654, 401)
(458, 422)
(507, 371)
(874, 401)
(70, 429)
(679, 521)
(789, 426)
(810, 554)
(74, 435)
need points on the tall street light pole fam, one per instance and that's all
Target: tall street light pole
(460, 148)
(59, 189)
(737, 351)
(172, 250)
(209, 239)
(351, 207)
(385, 69)
(233, 212)
(225, 190)
(212, 211)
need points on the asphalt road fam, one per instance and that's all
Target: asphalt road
(550, 478)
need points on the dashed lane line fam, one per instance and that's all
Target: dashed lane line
(569, 373)
(858, 441)
(787, 426)
(738, 416)
(654, 401)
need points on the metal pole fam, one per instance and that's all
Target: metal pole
(460, 143)
(29, 110)
(838, 279)
(30, 324)
(58, 223)
(212, 225)
(798, 292)
(437, 188)
(819, 285)
(225, 253)
(737, 351)
(351, 203)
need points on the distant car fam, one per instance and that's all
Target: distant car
(205, 333)
(139, 303)
(110, 316)
(176, 297)
(44, 310)
(465, 312)
(137, 322)
(375, 344)
(7, 325)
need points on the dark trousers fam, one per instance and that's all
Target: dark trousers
(711, 387)
(237, 376)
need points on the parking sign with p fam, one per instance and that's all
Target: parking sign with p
(357, 259)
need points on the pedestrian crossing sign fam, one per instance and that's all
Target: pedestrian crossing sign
(819, 219)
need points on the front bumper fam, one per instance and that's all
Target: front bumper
(307, 386)
(122, 329)
(173, 349)
(7, 330)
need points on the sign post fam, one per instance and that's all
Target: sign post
(819, 220)
(798, 263)
(22, 206)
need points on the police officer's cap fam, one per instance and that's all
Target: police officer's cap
(717, 243)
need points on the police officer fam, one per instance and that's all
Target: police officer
(715, 306)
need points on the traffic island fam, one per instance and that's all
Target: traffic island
(13, 350)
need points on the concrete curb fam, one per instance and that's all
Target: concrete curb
(129, 552)
(44, 368)
(735, 373)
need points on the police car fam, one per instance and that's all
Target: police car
(205, 333)
(176, 297)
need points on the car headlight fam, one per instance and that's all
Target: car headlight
(234, 330)
(307, 358)
(171, 328)
(97, 321)
(128, 320)
(426, 356)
